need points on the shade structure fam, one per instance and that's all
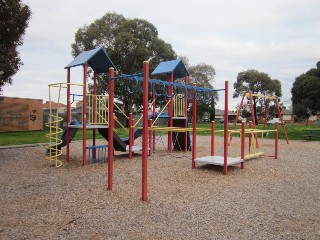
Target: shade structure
(97, 59)
(176, 67)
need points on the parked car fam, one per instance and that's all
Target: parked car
(272, 121)
(221, 120)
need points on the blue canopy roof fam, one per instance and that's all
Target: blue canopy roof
(176, 67)
(97, 59)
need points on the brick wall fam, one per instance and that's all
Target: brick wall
(20, 114)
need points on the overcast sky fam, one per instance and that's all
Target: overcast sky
(279, 37)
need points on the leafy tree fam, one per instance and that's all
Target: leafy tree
(14, 17)
(305, 93)
(128, 42)
(258, 83)
(203, 75)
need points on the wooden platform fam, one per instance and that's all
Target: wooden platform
(218, 160)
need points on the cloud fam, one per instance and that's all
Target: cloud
(279, 37)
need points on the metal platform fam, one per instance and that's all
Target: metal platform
(218, 160)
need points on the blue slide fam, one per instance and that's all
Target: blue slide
(119, 144)
(72, 132)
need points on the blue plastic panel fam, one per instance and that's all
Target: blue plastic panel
(97, 59)
(176, 67)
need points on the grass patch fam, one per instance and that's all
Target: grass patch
(17, 138)
(31, 137)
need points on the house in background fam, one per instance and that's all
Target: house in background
(219, 115)
(61, 108)
(287, 116)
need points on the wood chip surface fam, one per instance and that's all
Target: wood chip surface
(269, 199)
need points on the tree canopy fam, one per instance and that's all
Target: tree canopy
(14, 19)
(128, 42)
(258, 83)
(203, 75)
(305, 93)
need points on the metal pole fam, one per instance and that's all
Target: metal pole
(242, 142)
(186, 81)
(170, 113)
(225, 140)
(237, 116)
(212, 138)
(130, 135)
(110, 128)
(253, 119)
(194, 126)
(84, 116)
(276, 142)
(68, 116)
(144, 193)
(282, 123)
(150, 137)
(94, 110)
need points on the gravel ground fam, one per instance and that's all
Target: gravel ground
(269, 199)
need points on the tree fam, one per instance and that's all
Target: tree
(203, 75)
(14, 21)
(305, 93)
(128, 42)
(258, 83)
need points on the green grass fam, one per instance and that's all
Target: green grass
(17, 138)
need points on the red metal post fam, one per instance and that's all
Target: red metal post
(250, 136)
(84, 116)
(150, 137)
(237, 116)
(194, 127)
(282, 123)
(170, 113)
(253, 119)
(94, 116)
(68, 116)
(145, 132)
(110, 128)
(225, 127)
(212, 138)
(266, 114)
(130, 135)
(243, 136)
(186, 81)
(153, 118)
(276, 142)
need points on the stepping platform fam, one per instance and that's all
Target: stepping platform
(218, 160)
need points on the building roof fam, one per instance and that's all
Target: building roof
(286, 112)
(176, 67)
(46, 105)
(219, 112)
(97, 59)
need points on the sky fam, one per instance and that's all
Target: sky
(278, 37)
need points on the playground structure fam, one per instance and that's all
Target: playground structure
(100, 118)
(269, 98)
